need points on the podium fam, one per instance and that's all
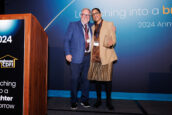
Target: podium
(23, 65)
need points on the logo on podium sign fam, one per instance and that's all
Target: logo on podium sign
(8, 61)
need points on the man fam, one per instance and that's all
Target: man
(77, 50)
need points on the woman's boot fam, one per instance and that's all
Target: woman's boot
(108, 88)
(98, 91)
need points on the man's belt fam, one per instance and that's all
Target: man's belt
(86, 53)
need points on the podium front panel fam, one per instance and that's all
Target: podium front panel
(11, 66)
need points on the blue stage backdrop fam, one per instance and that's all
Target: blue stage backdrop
(144, 40)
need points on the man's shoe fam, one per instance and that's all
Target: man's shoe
(74, 106)
(97, 104)
(85, 104)
(110, 106)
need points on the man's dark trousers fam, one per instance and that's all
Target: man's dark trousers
(79, 75)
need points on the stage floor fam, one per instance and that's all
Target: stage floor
(61, 106)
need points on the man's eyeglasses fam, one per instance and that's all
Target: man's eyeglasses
(87, 15)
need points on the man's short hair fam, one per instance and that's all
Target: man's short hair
(86, 9)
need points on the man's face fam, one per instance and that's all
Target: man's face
(85, 16)
(96, 15)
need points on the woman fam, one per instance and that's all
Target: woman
(102, 56)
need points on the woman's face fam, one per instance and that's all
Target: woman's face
(96, 15)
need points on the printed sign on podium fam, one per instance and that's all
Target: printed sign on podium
(11, 66)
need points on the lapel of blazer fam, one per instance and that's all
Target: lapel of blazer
(102, 30)
(81, 29)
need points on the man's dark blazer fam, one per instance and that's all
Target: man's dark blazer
(74, 43)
